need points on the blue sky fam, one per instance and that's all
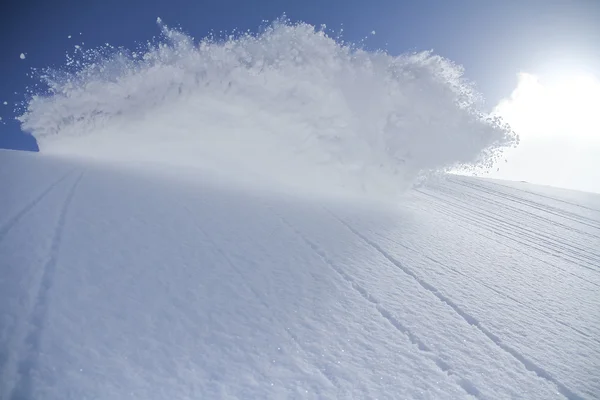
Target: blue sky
(493, 40)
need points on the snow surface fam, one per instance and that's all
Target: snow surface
(248, 219)
(118, 283)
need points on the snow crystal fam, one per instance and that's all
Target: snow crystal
(362, 137)
(22, 56)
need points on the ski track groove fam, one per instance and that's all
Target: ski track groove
(568, 249)
(527, 363)
(543, 246)
(549, 249)
(545, 196)
(572, 248)
(459, 217)
(32, 341)
(571, 216)
(495, 204)
(29, 206)
(499, 292)
(554, 210)
(328, 376)
(465, 384)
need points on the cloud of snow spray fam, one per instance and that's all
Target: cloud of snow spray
(290, 105)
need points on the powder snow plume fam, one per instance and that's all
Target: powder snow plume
(290, 104)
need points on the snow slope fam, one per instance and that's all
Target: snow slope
(247, 217)
(120, 283)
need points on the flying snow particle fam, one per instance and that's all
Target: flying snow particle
(22, 56)
(5, 103)
(69, 36)
(372, 32)
(77, 46)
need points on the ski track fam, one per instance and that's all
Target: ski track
(458, 216)
(526, 213)
(497, 291)
(574, 217)
(482, 212)
(29, 206)
(545, 196)
(329, 377)
(551, 248)
(552, 244)
(574, 249)
(29, 360)
(16, 331)
(569, 249)
(477, 186)
(528, 364)
(467, 386)
(535, 204)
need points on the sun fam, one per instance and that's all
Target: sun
(577, 105)
(564, 106)
(558, 122)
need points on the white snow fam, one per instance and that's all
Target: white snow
(245, 219)
(317, 111)
(5, 103)
(123, 282)
(22, 56)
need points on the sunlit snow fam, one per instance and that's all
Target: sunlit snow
(266, 216)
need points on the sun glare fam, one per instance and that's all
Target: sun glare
(558, 122)
(577, 105)
(566, 107)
